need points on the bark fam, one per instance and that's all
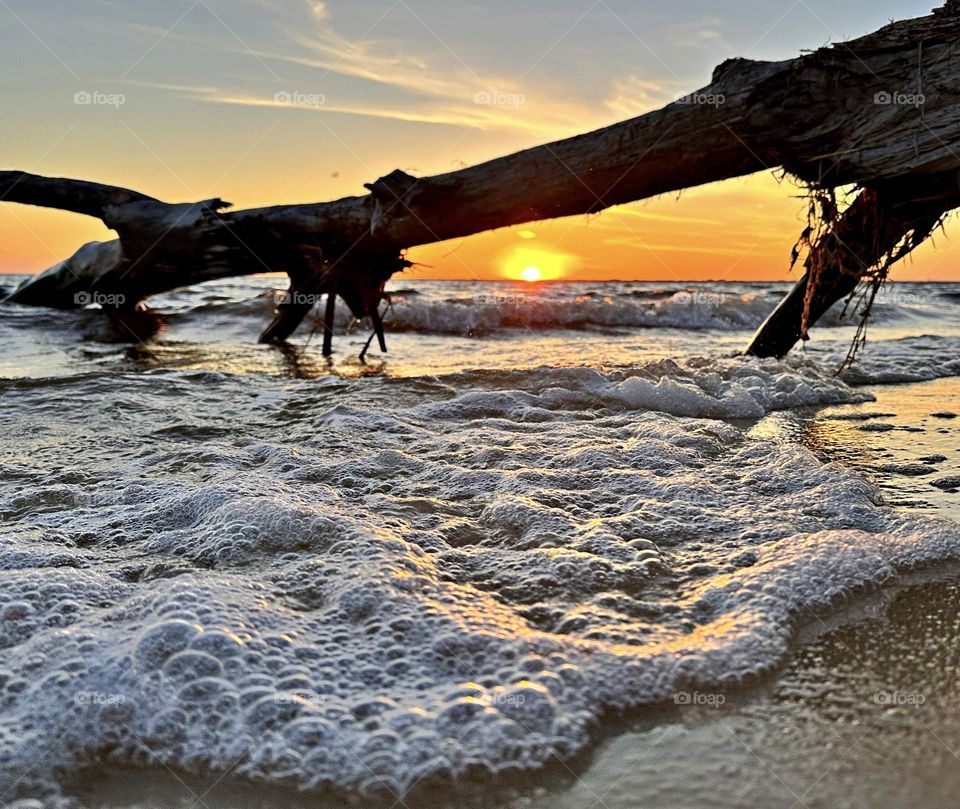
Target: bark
(878, 229)
(881, 112)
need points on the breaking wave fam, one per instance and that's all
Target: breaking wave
(487, 309)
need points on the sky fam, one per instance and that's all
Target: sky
(272, 101)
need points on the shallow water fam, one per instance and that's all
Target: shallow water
(863, 710)
(452, 565)
(863, 717)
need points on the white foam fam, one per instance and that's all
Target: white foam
(366, 598)
(735, 388)
(910, 359)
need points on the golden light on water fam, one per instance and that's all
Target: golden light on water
(532, 265)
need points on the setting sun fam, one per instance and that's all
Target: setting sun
(528, 264)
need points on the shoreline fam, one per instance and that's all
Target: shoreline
(819, 688)
(630, 758)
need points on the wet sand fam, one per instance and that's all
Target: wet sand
(907, 441)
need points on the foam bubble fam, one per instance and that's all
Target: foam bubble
(733, 388)
(440, 596)
(910, 359)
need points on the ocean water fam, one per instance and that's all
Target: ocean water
(448, 567)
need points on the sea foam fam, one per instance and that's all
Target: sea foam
(733, 388)
(377, 587)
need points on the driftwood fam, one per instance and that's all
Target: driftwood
(878, 229)
(880, 113)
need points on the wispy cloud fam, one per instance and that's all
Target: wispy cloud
(376, 72)
(633, 95)
(699, 248)
(439, 89)
(706, 34)
(406, 86)
(479, 116)
(614, 220)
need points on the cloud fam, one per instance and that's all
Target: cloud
(633, 96)
(412, 80)
(735, 250)
(410, 86)
(433, 84)
(318, 9)
(478, 116)
(630, 211)
(706, 34)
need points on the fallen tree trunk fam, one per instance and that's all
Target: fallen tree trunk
(880, 112)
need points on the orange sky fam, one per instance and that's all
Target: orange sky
(304, 101)
(737, 230)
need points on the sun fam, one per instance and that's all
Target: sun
(532, 264)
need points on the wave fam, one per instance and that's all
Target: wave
(491, 311)
(919, 358)
(365, 586)
(732, 388)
